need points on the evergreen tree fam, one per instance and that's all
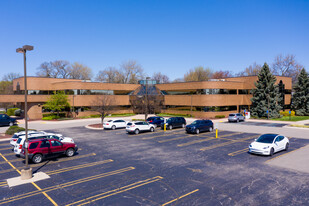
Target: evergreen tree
(266, 95)
(300, 101)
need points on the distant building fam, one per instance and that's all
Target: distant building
(204, 99)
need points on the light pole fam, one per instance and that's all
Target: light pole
(146, 108)
(27, 172)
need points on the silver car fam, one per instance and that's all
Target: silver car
(236, 117)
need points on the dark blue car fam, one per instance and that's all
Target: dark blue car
(155, 120)
(200, 126)
(6, 120)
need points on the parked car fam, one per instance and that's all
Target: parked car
(268, 144)
(174, 122)
(200, 126)
(157, 121)
(16, 135)
(139, 126)
(114, 124)
(20, 142)
(236, 117)
(40, 149)
(6, 120)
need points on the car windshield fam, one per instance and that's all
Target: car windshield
(14, 136)
(266, 138)
(109, 120)
(231, 115)
(130, 123)
(150, 118)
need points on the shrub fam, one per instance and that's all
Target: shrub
(51, 117)
(286, 113)
(220, 116)
(175, 115)
(11, 111)
(13, 129)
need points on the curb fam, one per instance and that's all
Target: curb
(93, 128)
(4, 139)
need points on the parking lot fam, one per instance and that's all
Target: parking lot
(160, 168)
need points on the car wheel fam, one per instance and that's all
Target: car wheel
(151, 129)
(136, 131)
(183, 125)
(237, 120)
(70, 152)
(170, 127)
(286, 147)
(11, 124)
(37, 158)
(197, 131)
(210, 129)
(113, 127)
(271, 153)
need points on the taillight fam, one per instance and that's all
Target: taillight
(20, 146)
(150, 121)
(14, 140)
(132, 125)
(107, 124)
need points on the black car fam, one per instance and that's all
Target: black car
(200, 126)
(6, 120)
(156, 120)
(174, 122)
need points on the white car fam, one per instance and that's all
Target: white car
(22, 133)
(19, 143)
(137, 127)
(114, 124)
(268, 144)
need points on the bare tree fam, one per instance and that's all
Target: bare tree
(221, 74)
(10, 76)
(79, 71)
(286, 66)
(46, 70)
(132, 72)
(178, 80)
(252, 70)
(198, 74)
(103, 104)
(110, 75)
(160, 78)
(61, 68)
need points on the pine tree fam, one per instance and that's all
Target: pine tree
(300, 100)
(266, 95)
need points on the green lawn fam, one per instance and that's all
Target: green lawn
(293, 118)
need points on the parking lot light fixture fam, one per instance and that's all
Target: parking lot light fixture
(27, 172)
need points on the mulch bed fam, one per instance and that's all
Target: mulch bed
(96, 126)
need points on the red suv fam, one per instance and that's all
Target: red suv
(46, 148)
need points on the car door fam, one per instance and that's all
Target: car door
(56, 147)
(44, 148)
(146, 126)
(281, 143)
(122, 123)
(277, 144)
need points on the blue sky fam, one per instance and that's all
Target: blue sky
(168, 36)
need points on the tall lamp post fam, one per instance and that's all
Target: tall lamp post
(27, 172)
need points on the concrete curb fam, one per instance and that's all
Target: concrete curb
(5, 139)
(93, 128)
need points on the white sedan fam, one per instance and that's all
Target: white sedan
(137, 127)
(268, 144)
(114, 124)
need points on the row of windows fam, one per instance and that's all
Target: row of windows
(203, 109)
(212, 91)
(76, 92)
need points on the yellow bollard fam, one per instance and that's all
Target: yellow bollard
(164, 127)
(216, 133)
